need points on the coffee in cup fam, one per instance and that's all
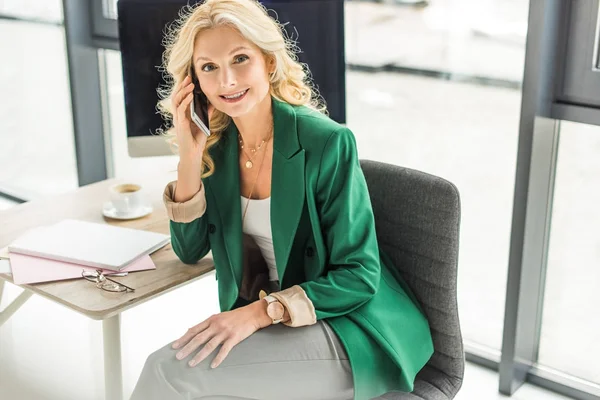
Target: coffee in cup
(127, 197)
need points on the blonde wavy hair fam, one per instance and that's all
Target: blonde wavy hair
(289, 83)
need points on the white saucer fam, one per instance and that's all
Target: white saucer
(109, 211)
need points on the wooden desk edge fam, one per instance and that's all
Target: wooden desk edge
(110, 312)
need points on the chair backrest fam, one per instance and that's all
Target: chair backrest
(417, 218)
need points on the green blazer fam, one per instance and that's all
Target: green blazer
(324, 240)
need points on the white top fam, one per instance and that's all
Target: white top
(257, 224)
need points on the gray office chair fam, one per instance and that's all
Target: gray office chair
(417, 217)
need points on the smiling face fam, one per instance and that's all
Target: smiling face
(233, 72)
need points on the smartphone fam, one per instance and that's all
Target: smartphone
(199, 106)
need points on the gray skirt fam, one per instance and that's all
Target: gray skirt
(278, 363)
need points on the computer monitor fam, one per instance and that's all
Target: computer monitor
(316, 25)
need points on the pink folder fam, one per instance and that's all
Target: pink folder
(29, 269)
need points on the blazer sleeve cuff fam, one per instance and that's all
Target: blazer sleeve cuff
(298, 305)
(187, 211)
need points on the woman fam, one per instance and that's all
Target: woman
(277, 194)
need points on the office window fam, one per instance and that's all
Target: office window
(570, 327)
(41, 10)
(110, 8)
(36, 129)
(449, 106)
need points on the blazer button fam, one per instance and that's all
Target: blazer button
(310, 252)
(211, 228)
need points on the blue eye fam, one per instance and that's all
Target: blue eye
(241, 58)
(208, 67)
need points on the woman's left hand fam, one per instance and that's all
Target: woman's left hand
(227, 328)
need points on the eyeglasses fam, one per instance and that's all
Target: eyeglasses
(103, 282)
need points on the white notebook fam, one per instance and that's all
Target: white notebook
(87, 243)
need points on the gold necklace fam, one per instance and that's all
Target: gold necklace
(253, 185)
(249, 163)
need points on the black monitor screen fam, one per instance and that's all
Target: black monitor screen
(317, 26)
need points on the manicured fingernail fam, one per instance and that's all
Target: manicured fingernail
(179, 356)
(213, 365)
(192, 363)
(175, 345)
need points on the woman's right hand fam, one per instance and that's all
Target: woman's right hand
(190, 139)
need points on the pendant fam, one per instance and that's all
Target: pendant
(249, 164)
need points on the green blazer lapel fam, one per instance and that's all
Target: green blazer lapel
(287, 189)
(225, 185)
(287, 183)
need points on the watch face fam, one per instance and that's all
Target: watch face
(275, 310)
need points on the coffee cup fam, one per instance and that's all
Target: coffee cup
(127, 197)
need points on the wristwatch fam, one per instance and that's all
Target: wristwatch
(275, 310)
